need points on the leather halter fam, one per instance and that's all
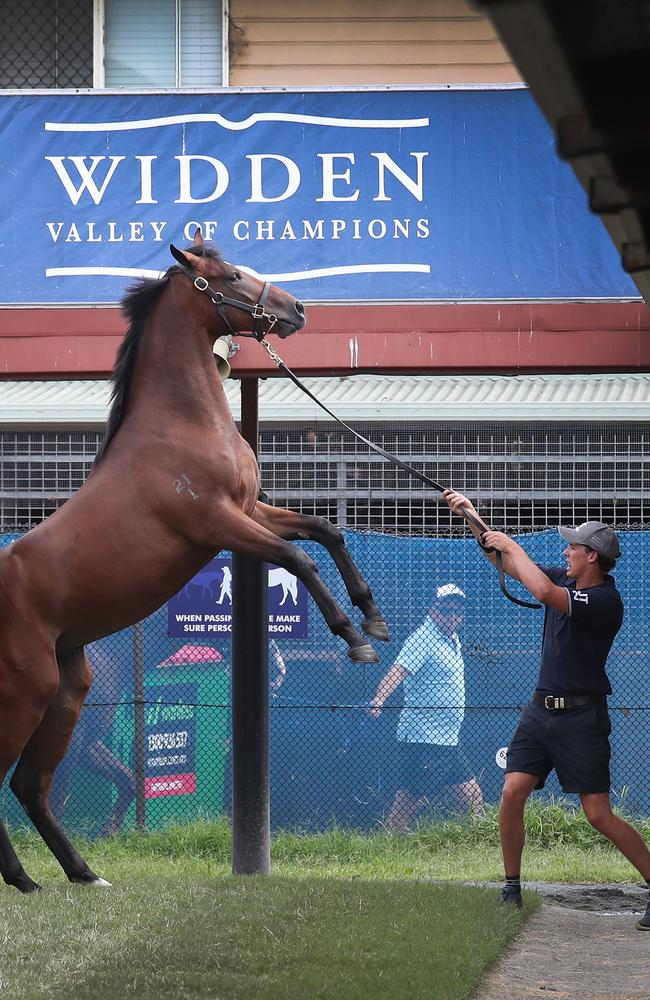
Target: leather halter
(220, 301)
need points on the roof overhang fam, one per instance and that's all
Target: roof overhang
(366, 398)
(588, 67)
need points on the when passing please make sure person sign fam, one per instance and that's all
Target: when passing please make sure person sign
(204, 606)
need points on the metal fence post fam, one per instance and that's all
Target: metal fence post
(138, 705)
(251, 827)
(251, 850)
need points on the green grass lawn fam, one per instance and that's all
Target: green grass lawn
(345, 915)
(561, 846)
(180, 936)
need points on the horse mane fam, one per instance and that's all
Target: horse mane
(136, 306)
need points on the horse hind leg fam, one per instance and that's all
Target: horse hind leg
(292, 526)
(20, 713)
(42, 755)
(11, 869)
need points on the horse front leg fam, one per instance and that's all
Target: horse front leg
(249, 537)
(306, 527)
(42, 755)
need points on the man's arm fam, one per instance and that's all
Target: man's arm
(389, 683)
(457, 503)
(525, 570)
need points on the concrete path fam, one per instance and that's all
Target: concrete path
(581, 945)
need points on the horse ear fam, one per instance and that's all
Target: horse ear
(198, 237)
(178, 255)
(187, 259)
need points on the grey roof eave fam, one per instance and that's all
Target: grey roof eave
(368, 398)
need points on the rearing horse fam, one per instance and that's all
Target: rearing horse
(172, 485)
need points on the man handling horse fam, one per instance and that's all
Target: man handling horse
(566, 726)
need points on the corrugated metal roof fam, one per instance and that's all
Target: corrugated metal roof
(623, 397)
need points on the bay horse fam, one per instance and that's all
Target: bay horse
(173, 484)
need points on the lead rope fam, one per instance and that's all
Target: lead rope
(466, 515)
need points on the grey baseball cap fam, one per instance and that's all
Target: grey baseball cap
(596, 535)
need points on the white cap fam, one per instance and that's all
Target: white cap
(449, 590)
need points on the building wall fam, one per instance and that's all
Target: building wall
(299, 43)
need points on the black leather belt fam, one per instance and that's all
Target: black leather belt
(560, 702)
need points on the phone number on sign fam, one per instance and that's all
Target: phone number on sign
(167, 741)
(168, 761)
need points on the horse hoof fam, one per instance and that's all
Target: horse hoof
(376, 628)
(363, 654)
(92, 881)
(27, 885)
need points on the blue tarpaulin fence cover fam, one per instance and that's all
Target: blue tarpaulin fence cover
(330, 759)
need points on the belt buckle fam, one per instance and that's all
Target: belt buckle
(552, 702)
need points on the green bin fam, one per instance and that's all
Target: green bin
(186, 741)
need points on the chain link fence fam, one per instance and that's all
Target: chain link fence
(153, 743)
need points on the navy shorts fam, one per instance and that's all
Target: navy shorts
(575, 742)
(425, 768)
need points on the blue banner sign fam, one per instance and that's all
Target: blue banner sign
(204, 606)
(339, 196)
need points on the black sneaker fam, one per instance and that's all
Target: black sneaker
(644, 923)
(512, 897)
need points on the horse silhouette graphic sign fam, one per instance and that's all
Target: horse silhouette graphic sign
(204, 605)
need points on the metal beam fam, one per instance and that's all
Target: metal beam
(413, 338)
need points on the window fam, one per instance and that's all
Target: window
(162, 43)
(113, 43)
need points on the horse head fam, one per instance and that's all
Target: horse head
(243, 301)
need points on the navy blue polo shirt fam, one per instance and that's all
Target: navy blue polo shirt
(576, 644)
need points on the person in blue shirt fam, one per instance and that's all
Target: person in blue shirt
(430, 666)
(90, 747)
(566, 726)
